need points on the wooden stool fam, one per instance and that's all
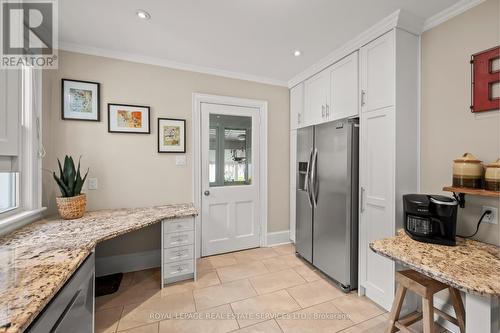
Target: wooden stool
(426, 288)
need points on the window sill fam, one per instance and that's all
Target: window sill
(20, 219)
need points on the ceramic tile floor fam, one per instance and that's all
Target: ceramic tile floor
(266, 290)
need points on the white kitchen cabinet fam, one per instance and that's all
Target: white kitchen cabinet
(344, 90)
(376, 200)
(377, 62)
(388, 152)
(178, 250)
(297, 106)
(317, 90)
(332, 93)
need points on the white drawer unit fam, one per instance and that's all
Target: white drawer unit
(178, 239)
(178, 253)
(175, 271)
(178, 250)
(179, 225)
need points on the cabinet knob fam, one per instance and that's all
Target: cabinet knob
(206, 193)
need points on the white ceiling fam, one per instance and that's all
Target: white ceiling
(251, 37)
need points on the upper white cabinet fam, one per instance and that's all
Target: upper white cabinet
(317, 89)
(297, 106)
(332, 93)
(378, 73)
(344, 91)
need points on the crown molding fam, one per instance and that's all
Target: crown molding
(398, 19)
(142, 59)
(450, 12)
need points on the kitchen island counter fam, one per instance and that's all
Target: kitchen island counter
(470, 266)
(38, 259)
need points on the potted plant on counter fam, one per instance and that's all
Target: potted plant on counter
(72, 203)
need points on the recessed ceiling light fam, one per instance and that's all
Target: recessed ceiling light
(142, 14)
(297, 53)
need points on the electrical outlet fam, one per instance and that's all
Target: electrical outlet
(92, 184)
(490, 218)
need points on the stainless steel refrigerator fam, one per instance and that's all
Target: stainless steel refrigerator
(327, 199)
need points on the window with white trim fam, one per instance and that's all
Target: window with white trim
(20, 146)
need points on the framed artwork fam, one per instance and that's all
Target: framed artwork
(171, 135)
(124, 118)
(80, 100)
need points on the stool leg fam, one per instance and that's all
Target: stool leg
(428, 313)
(396, 309)
(456, 299)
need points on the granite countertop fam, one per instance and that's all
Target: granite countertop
(471, 266)
(38, 259)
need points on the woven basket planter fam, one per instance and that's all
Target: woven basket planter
(72, 207)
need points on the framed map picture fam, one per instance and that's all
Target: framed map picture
(80, 100)
(171, 135)
(124, 118)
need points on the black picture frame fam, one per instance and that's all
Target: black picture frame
(183, 151)
(63, 111)
(110, 105)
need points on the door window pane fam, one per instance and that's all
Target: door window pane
(230, 159)
(9, 186)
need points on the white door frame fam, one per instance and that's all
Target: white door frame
(196, 146)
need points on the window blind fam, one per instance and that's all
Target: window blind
(10, 112)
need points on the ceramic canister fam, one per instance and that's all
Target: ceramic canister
(492, 176)
(467, 172)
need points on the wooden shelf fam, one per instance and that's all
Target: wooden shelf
(472, 191)
(460, 192)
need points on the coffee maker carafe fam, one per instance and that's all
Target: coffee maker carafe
(430, 218)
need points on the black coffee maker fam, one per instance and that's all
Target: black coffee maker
(430, 218)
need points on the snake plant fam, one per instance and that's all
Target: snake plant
(70, 181)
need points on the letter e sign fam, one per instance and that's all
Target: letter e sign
(486, 80)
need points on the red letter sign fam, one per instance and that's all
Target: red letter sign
(486, 80)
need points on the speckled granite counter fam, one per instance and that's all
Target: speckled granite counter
(38, 259)
(471, 266)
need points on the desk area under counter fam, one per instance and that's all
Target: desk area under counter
(41, 259)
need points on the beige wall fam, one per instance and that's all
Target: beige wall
(448, 128)
(130, 171)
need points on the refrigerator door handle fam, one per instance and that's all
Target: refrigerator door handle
(308, 179)
(314, 188)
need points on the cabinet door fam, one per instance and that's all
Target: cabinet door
(378, 73)
(377, 146)
(344, 90)
(296, 106)
(316, 92)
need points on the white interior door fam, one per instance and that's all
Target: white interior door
(230, 178)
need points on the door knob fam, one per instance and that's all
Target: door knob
(207, 193)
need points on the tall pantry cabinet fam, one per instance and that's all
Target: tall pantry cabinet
(389, 69)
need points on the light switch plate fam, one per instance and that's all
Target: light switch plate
(490, 218)
(180, 160)
(92, 184)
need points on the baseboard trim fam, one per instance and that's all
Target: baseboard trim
(125, 263)
(278, 237)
